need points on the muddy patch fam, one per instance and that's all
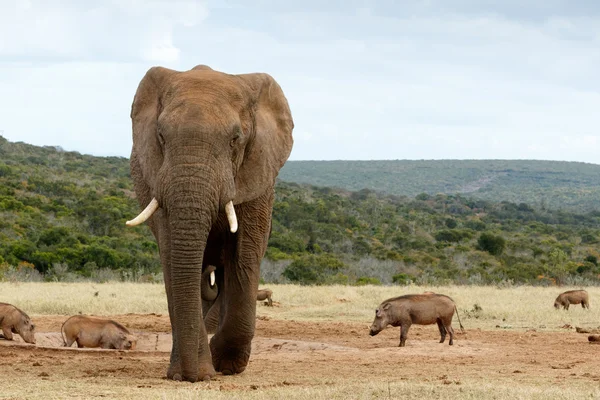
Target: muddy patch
(162, 342)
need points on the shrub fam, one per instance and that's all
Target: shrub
(402, 279)
(592, 259)
(287, 243)
(475, 225)
(452, 235)
(450, 223)
(365, 280)
(313, 269)
(492, 244)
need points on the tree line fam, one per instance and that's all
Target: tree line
(63, 211)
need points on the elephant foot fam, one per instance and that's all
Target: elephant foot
(205, 372)
(228, 359)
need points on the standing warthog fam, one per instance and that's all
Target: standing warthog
(420, 309)
(97, 332)
(572, 297)
(13, 320)
(265, 294)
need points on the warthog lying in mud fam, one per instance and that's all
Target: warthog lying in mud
(420, 309)
(572, 297)
(265, 294)
(97, 332)
(13, 320)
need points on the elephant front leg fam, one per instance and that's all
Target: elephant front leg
(205, 369)
(230, 346)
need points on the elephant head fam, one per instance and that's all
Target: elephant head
(207, 146)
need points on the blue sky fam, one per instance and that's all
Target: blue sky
(436, 79)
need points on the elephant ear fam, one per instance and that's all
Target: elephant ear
(271, 139)
(145, 110)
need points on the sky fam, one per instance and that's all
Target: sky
(379, 79)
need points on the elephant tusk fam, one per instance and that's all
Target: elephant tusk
(230, 211)
(144, 215)
(212, 278)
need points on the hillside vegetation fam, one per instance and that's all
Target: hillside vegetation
(62, 217)
(545, 184)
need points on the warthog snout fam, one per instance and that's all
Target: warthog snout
(374, 330)
(28, 333)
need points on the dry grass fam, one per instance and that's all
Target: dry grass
(516, 308)
(505, 308)
(341, 389)
(37, 298)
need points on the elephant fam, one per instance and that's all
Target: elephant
(207, 149)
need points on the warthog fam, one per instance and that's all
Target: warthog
(97, 332)
(265, 294)
(208, 285)
(420, 309)
(572, 297)
(13, 320)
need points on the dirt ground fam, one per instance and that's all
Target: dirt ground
(305, 354)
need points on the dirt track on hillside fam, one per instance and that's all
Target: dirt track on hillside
(318, 353)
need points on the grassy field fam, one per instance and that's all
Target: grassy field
(482, 307)
(515, 348)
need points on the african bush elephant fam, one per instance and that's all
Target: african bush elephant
(207, 148)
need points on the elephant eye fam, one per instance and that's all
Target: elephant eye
(235, 138)
(161, 138)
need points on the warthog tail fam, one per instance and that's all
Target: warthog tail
(462, 329)
(62, 333)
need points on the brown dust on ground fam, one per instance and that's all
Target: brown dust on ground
(317, 353)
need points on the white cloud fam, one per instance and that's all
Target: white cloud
(385, 81)
(111, 31)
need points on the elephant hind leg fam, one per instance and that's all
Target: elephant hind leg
(231, 344)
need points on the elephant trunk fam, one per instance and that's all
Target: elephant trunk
(192, 212)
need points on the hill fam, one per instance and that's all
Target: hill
(551, 184)
(62, 214)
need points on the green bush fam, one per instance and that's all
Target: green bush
(492, 244)
(313, 269)
(365, 280)
(452, 235)
(450, 223)
(287, 242)
(402, 279)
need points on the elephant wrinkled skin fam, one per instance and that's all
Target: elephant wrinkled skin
(205, 145)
